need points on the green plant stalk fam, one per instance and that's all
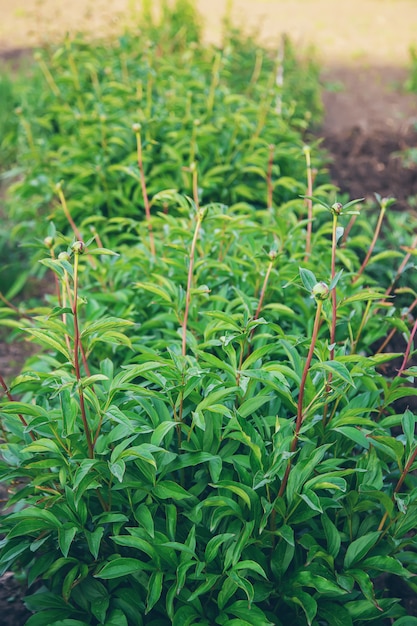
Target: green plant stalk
(408, 349)
(398, 486)
(67, 213)
(57, 286)
(191, 265)
(402, 266)
(300, 414)
(13, 307)
(264, 108)
(29, 133)
(279, 76)
(309, 202)
(333, 292)
(269, 185)
(67, 292)
(73, 67)
(48, 76)
(394, 330)
(347, 230)
(243, 351)
(334, 310)
(373, 242)
(215, 77)
(364, 320)
(149, 90)
(77, 344)
(144, 191)
(256, 70)
(11, 399)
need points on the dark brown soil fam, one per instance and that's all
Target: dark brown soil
(369, 121)
(12, 609)
(367, 162)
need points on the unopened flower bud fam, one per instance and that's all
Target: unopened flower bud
(136, 128)
(63, 256)
(337, 208)
(320, 291)
(78, 247)
(48, 242)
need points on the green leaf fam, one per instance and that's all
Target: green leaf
(312, 500)
(214, 397)
(251, 405)
(154, 590)
(94, 540)
(250, 565)
(335, 614)
(322, 584)
(336, 368)
(332, 535)
(137, 543)
(37, 514)
(43, 445)
(385, 564)
(408, 422)
(240, 490)
(364, 583)
(161, 431)
(185, 616)
(145, 519)
(254, 614)
(308, 279)
(120, 567)
(360, 547)
(166, 489)
(213, 546)
(355, 434)
(51, 340)
(65, 538)
(208, 584)
(307, 603)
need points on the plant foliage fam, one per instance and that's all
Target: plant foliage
(210, 434)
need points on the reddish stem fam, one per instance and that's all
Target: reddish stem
(300, 415)
(68, 214)
(399, 483)
(394, 330)
(408, 349)
(77, 344)
(372, 246)
(145, 193)
(191, 265)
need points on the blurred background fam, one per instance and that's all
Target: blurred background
(353, 31)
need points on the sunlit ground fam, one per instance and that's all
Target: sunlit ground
(341, 30)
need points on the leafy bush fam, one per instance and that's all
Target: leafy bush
(211, 434)
(193, 105)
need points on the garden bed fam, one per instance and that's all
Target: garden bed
(210, 434)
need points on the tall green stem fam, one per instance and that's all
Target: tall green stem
(78, 248)
(136, 128)
(374, 240)
(300, 413)
(309, 202)
(200, 216)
